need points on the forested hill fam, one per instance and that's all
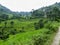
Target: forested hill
(41, 12)
(47, 8)
(37, 27)
(4, 9)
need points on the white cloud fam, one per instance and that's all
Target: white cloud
(26, 5)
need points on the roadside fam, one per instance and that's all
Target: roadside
(57, 38)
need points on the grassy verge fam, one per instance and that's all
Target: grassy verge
(50, 40)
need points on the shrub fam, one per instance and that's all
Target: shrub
(12, 23)
(13, 32)
(53, 28)
(41, 24)
(40, 40)
(5, 24)
(36, 26)
(46, 21)
(4, 36)
(22, 29)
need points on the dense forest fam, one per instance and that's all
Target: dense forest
(37, 27)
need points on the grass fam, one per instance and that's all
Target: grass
(49, 42)
(26, 38)
(28, 25)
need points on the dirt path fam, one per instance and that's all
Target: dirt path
(57, 38)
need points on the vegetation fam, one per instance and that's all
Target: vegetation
(36, 28)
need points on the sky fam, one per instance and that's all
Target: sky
(26, 5)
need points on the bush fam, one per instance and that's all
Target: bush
(41, 24)
(12, 23)
(40, 40)
(45, 21)
(36, 26)
(13, 32)
(53, 28)
(4, 36)
(22, 29)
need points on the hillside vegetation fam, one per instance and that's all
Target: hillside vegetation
(29, 28)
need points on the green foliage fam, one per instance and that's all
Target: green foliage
(30, 36)
(41, 24)
(28, 30)
(13, 32)
(36, 26)
(38, 14)
(40, 40)
(4, 34)
(22, 30)
(53, 14)
(5, 24)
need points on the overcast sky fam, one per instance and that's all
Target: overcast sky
(26, 5)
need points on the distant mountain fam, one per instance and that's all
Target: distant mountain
(41, 12)
(56, 5)
(48, 8)
(3, 9)
(25, 13)
(22, 13)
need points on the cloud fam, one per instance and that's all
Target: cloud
(26, 5)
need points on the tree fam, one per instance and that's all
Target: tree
(13, 31)
(4, 16)
(22, 29)
(3, 34)
(41, 24)
(38, 14)
(54, 14)
(5, 24)
(12, 23)
(36, 26)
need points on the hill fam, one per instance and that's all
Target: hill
(17, 30)
(3, 9)
(48, 8)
